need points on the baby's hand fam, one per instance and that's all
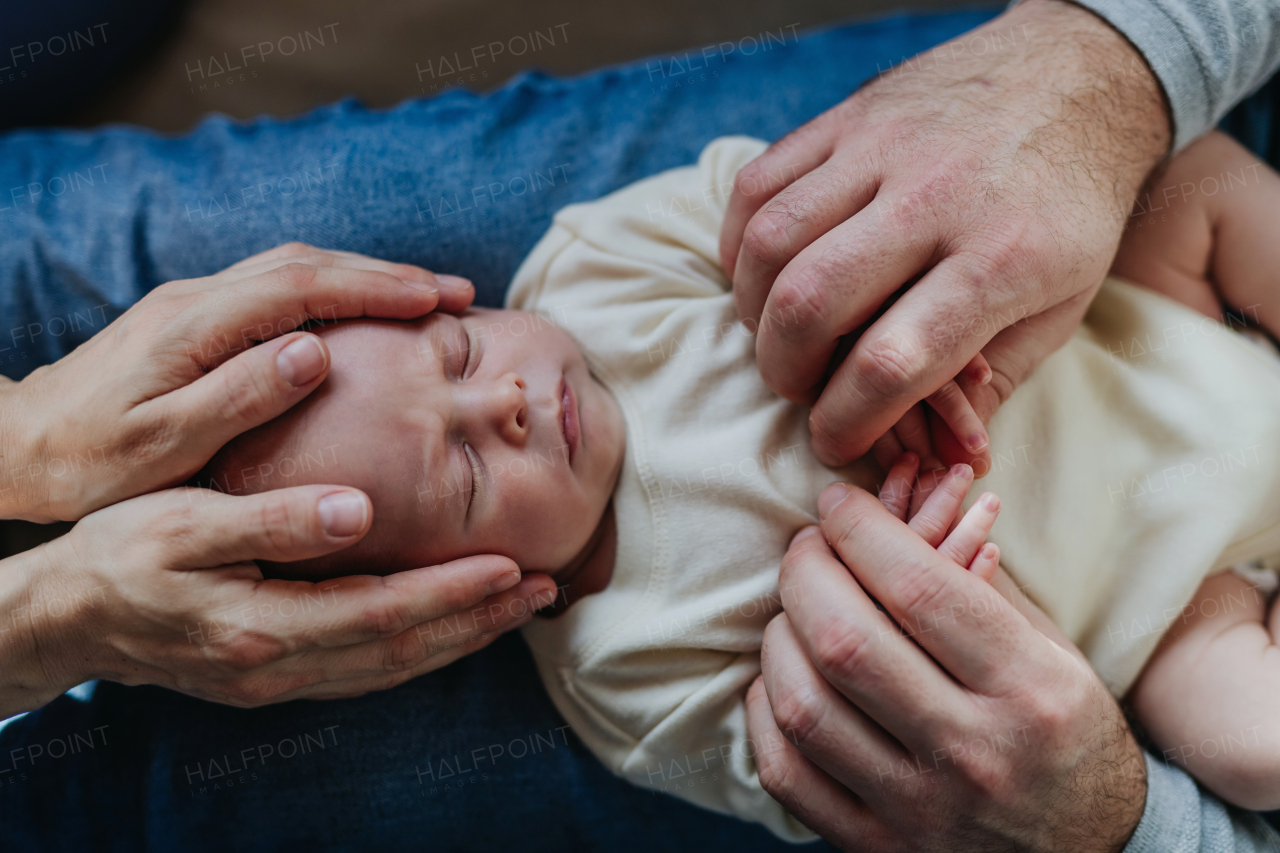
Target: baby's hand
(947, 430)
(935, 515)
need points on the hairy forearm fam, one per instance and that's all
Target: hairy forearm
(1208, 54)
(30, 672)
(1060, 91)
(1100, 99)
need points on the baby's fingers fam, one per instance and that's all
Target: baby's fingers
(957, 412)
(895, 494)
(977, 370)
(965, 542)
(940, 508)
(987, 562)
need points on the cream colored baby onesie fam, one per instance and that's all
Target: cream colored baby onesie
(717, 476)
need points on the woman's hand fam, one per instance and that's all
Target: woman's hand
(161, 589)
(145, 403)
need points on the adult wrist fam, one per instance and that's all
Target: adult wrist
(23, 491)
(38, 616)
(1109, 88)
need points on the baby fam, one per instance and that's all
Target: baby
(615, 433)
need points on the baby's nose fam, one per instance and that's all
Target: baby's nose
(509, 408)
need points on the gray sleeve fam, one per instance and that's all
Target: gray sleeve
(1181, 818)
(1208, 54)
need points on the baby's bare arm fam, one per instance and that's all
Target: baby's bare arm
(1206, 231)
(1210, 695)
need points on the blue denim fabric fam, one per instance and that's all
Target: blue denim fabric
(457, 183)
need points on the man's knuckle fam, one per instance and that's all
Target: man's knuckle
(843, 651)
(778, 775)
(889, 366)
(921, 591)
(767, 242)
(800, 301)
(799, 712)
(989, 780)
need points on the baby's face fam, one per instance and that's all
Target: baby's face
(473, 434)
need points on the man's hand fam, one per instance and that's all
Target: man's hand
(997, 169)
(162, 589)
(956, 721)
(147, 401)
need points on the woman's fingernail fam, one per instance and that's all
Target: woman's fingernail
(343, 514)
(502, 583)
(990, 502)
(977, 442)
(453, 282)
(301, 361)
(832, 496)
(961, 470)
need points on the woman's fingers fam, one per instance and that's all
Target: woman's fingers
(432, 640)
(456, 292)
(183, 604)
(351, 687)
(247, 391)
(938, 512)
(204, 529)
(233, 316)
(364, 609)
(963, 543)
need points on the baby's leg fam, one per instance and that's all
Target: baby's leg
(1210, 696)
(1206, 231)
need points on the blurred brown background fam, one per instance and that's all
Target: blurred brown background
(383, 52)
(247, 58)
